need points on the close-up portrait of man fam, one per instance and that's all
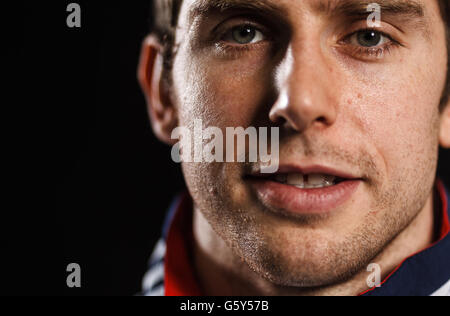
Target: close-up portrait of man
(252, 151)
(354, 98)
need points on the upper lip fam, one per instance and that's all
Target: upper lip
(309, 169)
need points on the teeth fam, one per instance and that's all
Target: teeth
(310, 181)
(316, 179)
(330, 180)
(295, 179)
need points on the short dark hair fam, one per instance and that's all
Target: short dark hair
(164, 20)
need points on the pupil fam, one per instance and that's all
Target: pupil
(369, 39)
(244, 35)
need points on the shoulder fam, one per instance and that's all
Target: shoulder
(153, 281)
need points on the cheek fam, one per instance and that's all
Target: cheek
(224, 93)
(398, 112)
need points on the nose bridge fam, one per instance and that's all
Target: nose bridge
(307, 80)
(304, 80)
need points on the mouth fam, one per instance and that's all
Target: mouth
(312, 190)
(307, 181)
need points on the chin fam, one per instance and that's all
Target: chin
(304, 273)
(312, 261)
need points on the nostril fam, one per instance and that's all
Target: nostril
(321, 119)
(281, 121)
(278, 120)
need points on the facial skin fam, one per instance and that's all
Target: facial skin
(369, 112)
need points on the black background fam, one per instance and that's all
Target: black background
(95, 182)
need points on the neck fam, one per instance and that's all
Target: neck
(223, 273)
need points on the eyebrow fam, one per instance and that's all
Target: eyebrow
(410, 8)
(257, 6)
(410, 11)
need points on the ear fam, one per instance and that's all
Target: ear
(444, 137)
(162, 112)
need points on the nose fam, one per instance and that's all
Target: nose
(305, 91)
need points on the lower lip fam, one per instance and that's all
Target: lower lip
(288, 198)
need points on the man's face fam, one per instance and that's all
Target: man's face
(345, 98)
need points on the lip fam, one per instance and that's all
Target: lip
(308, 170)
(290, 199)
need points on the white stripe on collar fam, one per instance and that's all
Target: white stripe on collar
(443, 291)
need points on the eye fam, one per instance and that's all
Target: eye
(369, 38)
(244, 34)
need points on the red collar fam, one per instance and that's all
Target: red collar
(179, 273)
(444, 230)
(180, 278)
(445, 226)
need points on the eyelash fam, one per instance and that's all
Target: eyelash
(356, 51)
(236, 49)
(370, 52)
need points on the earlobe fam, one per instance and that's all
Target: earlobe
(444, 138)
(150, 75)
